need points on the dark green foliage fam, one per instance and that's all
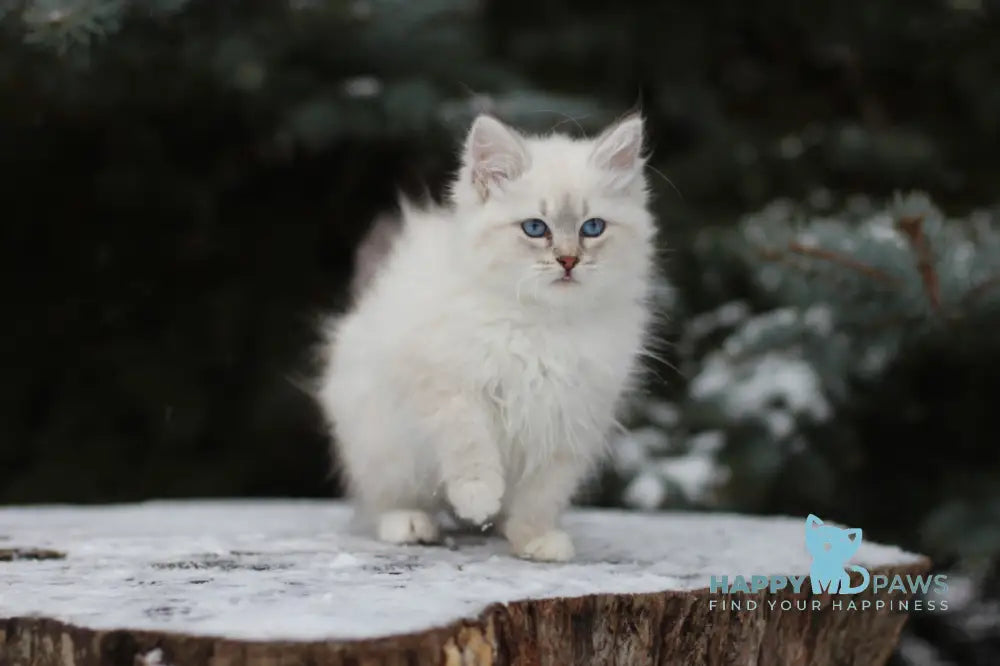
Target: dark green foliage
(875, 340)
(180, 205)
(754, 100)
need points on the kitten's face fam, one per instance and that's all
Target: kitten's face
(554, 220)
(831, 543)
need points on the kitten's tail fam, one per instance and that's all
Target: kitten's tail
(379, 243)
(865, 579)
(373, 250)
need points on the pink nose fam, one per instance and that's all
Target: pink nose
(568, 261)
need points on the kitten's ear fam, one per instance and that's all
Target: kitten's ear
(813, 521)
(619, 149)
(494, 154)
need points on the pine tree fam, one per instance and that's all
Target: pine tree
(858, 378)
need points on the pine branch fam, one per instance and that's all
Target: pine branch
(843, 260)
(779, 257)
(980, 289)
(913, 228)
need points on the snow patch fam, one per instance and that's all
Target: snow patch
(707, 443)
(362, 87)
(646, 491)
(293, 570)
(746, 389)
(152, 658)
(696, 475)
(662, 413)
(726, 315)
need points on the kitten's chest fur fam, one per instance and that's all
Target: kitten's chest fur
(555, 389)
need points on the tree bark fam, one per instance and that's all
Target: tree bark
(625, 629)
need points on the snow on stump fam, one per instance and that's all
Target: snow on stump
(266, 583)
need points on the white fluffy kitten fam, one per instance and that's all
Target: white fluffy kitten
(482, 365)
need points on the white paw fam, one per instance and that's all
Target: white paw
(476, 499)
(407, 527)
(553, 546)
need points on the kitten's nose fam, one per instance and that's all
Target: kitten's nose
(568, 261)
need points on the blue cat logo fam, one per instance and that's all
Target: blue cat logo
(830, 548)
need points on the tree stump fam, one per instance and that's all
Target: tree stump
(286, 582)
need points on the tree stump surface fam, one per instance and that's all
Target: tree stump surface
(231, 583)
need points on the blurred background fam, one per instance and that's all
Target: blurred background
(183, 184)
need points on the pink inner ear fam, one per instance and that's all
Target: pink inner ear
(621, 148)
(495, 152)
(484, 150)
(625, 155)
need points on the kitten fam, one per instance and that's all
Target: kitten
(482, 364)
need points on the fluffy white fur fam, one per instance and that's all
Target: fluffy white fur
(469, 374)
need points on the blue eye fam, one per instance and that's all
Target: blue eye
(535, 228)
(593, 227)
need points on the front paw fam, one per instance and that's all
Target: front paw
(407, 527)
(476, 498)
(553, 546)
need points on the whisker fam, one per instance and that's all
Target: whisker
(569, 119)
(566, 118)
(667, 180)
(646, 353)
(517, 289)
